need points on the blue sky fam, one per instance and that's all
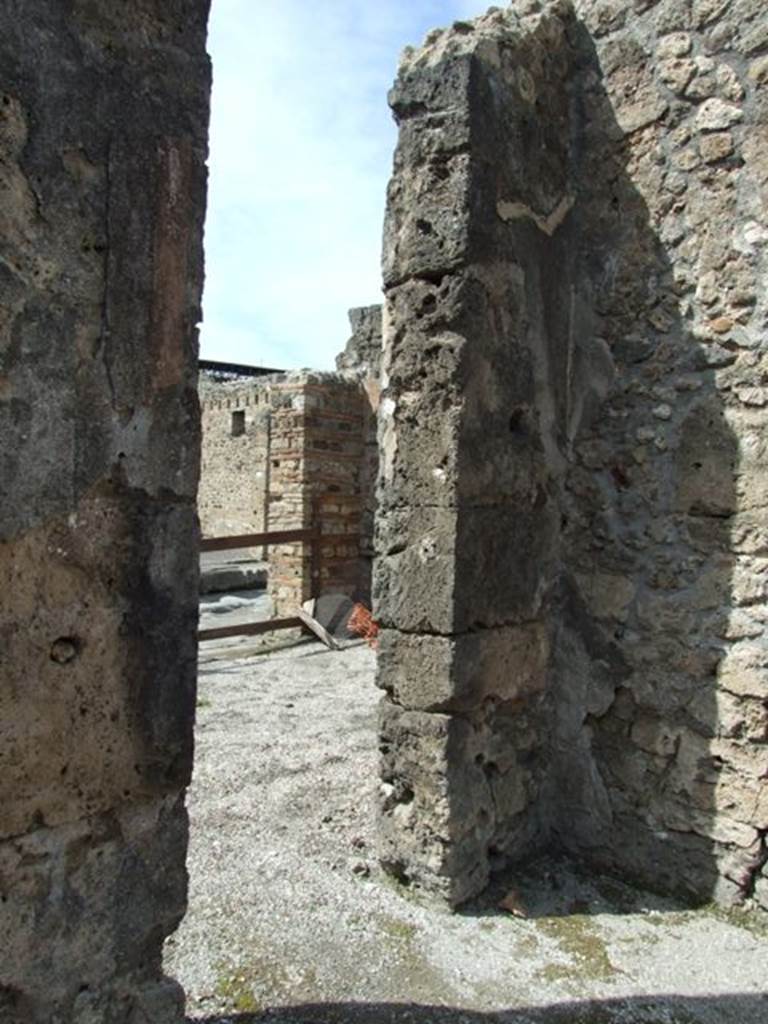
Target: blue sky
(301, 150)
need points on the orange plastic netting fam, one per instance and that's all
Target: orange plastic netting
(361, 622)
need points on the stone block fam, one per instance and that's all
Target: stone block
(717, 826)
(432, 242)
(418, 437)
(744, 671)
(606, 595)
(415, 572)
(506, 562)
(454, 792)
(96, 710)
(654, 736)
(706, 461)
(450, 673)
(459, 421)
(454, 570)
(428, 770)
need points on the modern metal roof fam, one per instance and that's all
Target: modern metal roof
(229, 371)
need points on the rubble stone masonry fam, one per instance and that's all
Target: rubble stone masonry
(572, 552)
(234, 465)
(286, 452)
(362, 357)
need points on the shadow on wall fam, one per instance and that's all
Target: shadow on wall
(576, 341)
(640, 524)
(732, 1009)
(656, 738)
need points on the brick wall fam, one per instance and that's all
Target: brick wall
(316, 469)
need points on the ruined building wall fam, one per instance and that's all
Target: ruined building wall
(468, 517)
(661, 634)
(362, 357)
(571, 556)
(316, 463)
(362, 353)
(234, 467)
(280, 453)
(103, 122)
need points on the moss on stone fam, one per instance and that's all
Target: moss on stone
(236, 991)
(395, 928)
(579, 939)
(753, 921)
(257, 982)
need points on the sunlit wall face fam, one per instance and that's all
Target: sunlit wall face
(301, 151)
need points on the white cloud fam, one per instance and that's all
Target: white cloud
(301, 150)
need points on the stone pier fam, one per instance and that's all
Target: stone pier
(571, 564)
(103, 128)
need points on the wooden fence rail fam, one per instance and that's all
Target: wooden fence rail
(252, 540)
(249, 628)
(304, 617)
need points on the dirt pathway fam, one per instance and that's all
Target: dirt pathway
(290, 919)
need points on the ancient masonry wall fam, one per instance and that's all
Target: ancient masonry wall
(571, 529)
(281, 452)
(662, 629)
(316, 465)
(362, 357)
(103, 125)
(234, 465)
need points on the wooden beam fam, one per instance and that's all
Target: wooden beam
(306, 616)
(255, 540)
(249, 628)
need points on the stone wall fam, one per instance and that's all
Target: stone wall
(362, 353)
(661, 638)
(362, 356)
(234, 466)
(571, 526)
(288, 450)
(572, 534)
(103, 122)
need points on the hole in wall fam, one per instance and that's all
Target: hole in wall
(65, 649)
(517, 422)
(428, 305)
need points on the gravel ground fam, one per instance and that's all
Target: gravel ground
(290, 919)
